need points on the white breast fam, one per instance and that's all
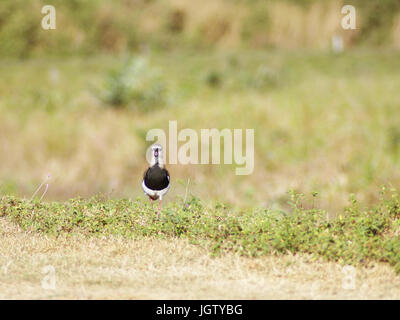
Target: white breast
(155, 193)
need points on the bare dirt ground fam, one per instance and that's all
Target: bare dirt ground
(170, 269)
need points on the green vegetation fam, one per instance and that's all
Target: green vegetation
(322, 122)
(77, 102)
(357, 236)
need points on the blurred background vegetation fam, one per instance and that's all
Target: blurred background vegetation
(93, 26)
(77, 101)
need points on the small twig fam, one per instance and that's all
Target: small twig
(40, 187)
(45, 191)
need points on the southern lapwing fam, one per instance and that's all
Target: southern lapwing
(156, 179)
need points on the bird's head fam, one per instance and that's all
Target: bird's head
(156, 152)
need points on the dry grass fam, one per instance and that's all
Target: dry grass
(285, 24)
(396, 32)
(295, 27)
(158, 269)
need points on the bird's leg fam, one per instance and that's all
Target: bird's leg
(152, 207)
(159, 209)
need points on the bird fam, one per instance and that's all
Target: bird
(156, 179)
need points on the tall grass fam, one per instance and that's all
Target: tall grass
(98, 26)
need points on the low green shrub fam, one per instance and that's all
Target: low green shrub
(136, 84)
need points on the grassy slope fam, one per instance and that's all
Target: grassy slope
(323, 123)
(357, 236)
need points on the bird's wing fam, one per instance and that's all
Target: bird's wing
(167, 173)
(145, 174)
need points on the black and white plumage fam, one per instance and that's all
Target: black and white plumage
(156, 180)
